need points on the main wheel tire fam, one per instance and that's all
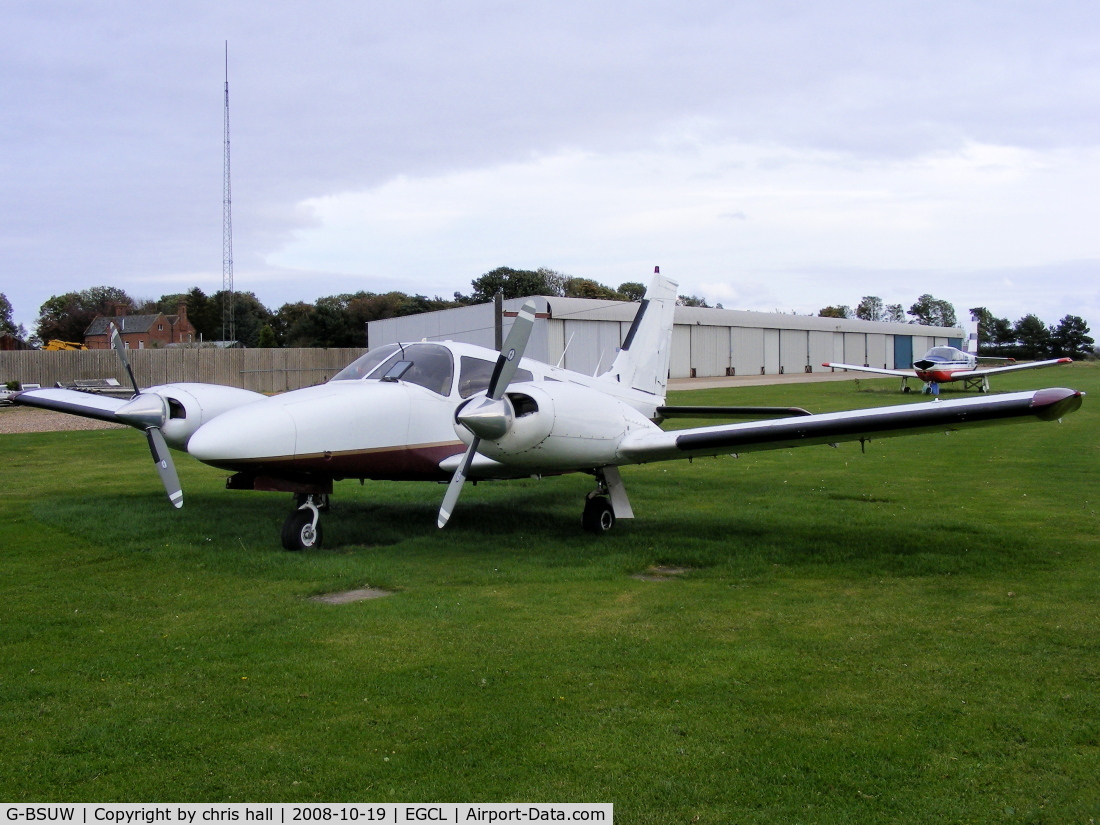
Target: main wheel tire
(598, 516)
(299, 533)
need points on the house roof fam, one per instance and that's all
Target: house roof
(126, 324)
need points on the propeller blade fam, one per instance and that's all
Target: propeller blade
(120, 348)
(514, 345)
(165, 467)
(454, 489)
(503, 373)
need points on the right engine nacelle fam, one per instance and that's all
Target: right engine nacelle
(557, 425)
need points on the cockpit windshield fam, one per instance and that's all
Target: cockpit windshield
(427, 365)
(364, 365)
(945, 353)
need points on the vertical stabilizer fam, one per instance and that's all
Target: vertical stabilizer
(971, 345)
(642, 362)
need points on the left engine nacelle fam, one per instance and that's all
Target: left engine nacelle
(558, 425)
(192, 405)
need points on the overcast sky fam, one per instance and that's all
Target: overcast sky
(766, 155)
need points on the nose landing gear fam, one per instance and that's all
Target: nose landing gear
(302, 528)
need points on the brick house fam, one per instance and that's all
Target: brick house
(141, 331)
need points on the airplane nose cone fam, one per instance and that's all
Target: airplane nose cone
(260, 430)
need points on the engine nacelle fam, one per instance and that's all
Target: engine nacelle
(192, 405)
(558, 425)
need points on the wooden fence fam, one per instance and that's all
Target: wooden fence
(260, 370)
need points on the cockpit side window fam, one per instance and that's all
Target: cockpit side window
(475, 374)
(364, 365)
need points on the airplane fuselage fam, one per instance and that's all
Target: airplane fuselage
(391, 415)
(940, 364)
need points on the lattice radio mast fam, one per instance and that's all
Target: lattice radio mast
(229, 332)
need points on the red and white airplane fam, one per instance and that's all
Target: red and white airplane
(449, 411)
(942, 365)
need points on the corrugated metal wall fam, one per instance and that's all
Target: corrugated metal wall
(771, 351)
(794, 344)
(260, 370)
(679, 365)
(876, 350)
(705, 342)
(591, 345)
(747, 350)
(710, 350)
(821, 349)
(855, 348)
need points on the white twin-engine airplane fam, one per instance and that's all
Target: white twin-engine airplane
(451, 411)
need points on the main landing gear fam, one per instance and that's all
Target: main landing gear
(607, 503)
(599, 515)
(302, 528)
(981, 383)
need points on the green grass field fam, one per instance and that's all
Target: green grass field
(906, 635)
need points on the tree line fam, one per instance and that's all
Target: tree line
(330, 321)
(1027, 338)
(340, 320)
(933, 312)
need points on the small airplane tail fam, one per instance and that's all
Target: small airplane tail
(642, 361)
(971, 343)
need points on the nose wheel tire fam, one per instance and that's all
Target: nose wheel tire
(299, 532)
(598, 516)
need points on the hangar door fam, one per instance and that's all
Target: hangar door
(771, 352)
(855, 348)
(876, 350)
(710, 350)
(679, 363)
(821, 349)
(746, 350)
(903, 352)
(793, 347)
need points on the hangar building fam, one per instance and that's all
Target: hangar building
(705, 342)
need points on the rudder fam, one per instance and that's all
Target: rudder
(642, 361)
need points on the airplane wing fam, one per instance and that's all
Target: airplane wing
(897, 373)
(1030, 365)
(729, 412)
(74, 402)
(640, 447)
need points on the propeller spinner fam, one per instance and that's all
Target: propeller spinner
(490, 416)
(149, 412)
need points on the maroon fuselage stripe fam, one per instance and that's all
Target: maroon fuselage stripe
(405, 463)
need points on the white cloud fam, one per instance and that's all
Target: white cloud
(765, 226)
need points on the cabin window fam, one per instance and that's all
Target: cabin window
(475, 374)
